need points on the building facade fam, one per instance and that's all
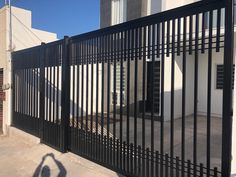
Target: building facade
(22, 35)
(118, 11)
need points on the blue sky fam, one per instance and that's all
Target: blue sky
(64, 17)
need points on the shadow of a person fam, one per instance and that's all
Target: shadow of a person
(60, 166)
(44, 171)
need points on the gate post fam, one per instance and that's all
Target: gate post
(227, 89)
(42, 91)
(13, 91)
(65, 97)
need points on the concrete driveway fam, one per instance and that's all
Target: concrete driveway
(216, 137)
(21, 159)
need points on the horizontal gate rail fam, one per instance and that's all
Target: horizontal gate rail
(136, 97)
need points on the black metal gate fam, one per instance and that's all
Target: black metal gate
(87, 94)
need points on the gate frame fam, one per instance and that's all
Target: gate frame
(227, 89)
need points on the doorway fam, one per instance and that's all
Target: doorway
(153, 81)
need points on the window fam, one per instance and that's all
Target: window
(118, 11)
(220, 76)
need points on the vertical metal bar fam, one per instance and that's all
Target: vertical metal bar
(147, 163)
(57, 93)
(124, 158)
(152, 110)
(50, 92)
(99, 147)
(53, 92)
(203, 33)
(158, 40)
(108, 90)
(140, 42)
(218, 30)
(166, 165)
(33, 92)
(78, 60)
(157, 164)
(177, 167)
(172, 100)
(118, 144)
(190, 34)
(110, 151)
(98, 54)
(144, 98)
(47, 95)
(87, 95)
(149, 42)
(113, 59)
(92, 46)
(22, 92)
(131, 171)
(37, 89)
(27, 95)
(201, 170)
(179, 36)
(65, 98)
(139, 161)
(168, 39)
(227, 89)
(14, 91)
(102, 95)
(130, 52)
(135, 100)
(19, 91)
(215, 172)
(123, 56)
(82, 92)
(195, 98)
(189, 168)
(72, 124)
(208, 155)
(27, 91)
(183, 100)
(42, 92)
(162, 97)
(50, 131)
(30, 92)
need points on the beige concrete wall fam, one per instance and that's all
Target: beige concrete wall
(105, 13)
(178, 86)
(134, 8)
(3, 32)
(216, 94)
(23, 36)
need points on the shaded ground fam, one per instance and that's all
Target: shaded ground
(215, 137)
(20, 159)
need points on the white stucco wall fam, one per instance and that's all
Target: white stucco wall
(23, 36)
(178, 87)
(216, 94)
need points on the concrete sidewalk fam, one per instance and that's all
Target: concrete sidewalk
(23, 159)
